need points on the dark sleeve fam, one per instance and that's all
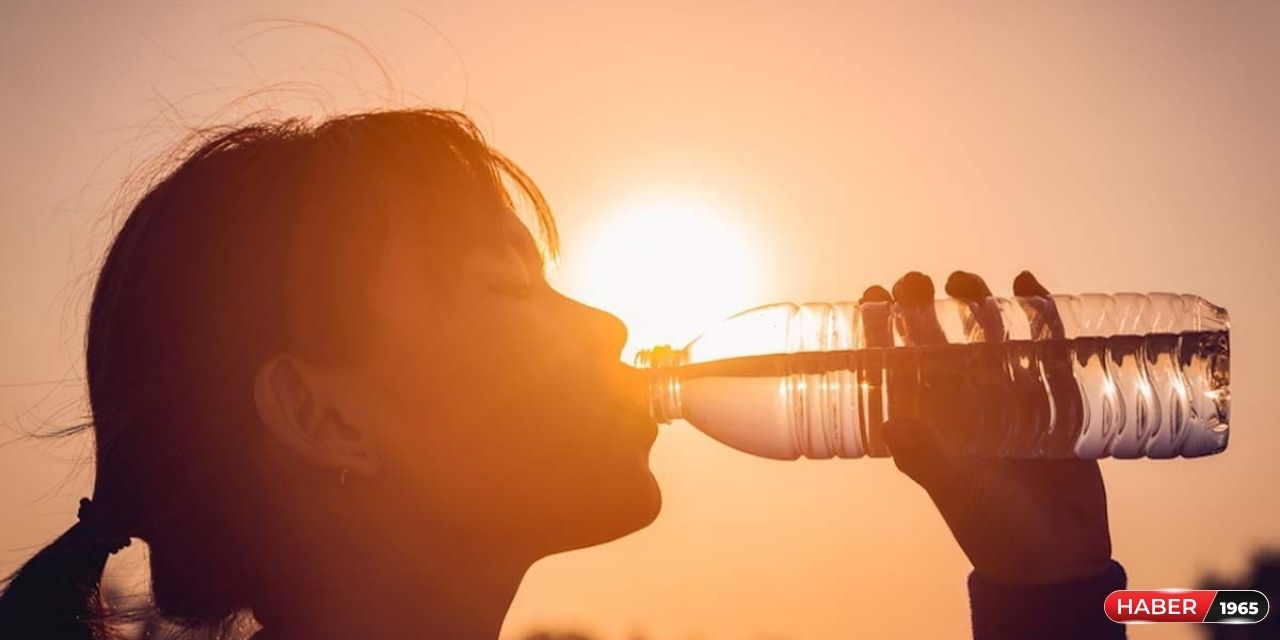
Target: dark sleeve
(1003, 611)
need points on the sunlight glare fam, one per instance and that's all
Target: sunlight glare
(669, 267)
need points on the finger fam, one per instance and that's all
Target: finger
(985, 372)
(875, 293)
(1067, 408)
(913, 287)
(983, 322)
(1040, 308)
(915, 317)
(967, 286)
(1027, 285)
(875, 307)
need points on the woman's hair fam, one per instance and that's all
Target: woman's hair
(260, 241)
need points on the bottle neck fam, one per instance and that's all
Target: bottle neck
(663, 388)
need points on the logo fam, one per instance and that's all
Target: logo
(1186, 605)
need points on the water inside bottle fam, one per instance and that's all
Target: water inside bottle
(1155, 395)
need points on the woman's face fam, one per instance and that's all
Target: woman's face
(497, 406)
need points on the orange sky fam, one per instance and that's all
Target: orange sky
(819, 147)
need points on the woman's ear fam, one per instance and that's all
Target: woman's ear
(298, 410)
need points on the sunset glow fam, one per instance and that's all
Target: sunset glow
(668, 266)
(698, 160)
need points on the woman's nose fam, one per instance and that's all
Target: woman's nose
(603, 332)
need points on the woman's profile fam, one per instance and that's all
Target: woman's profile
(334, 394)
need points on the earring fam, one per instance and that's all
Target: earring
(342, 478)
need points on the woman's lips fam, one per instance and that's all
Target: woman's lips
(632, 403)
(635, 419)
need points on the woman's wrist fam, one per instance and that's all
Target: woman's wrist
(1067, 609)
(1047, 571)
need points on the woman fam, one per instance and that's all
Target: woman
(331, 388)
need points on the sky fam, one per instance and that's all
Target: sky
(703, 158)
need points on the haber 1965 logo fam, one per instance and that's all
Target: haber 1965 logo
(1185, 605)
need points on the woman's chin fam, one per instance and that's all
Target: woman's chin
(617, 517)
(652, 502)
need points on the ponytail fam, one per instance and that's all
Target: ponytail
(56, 593)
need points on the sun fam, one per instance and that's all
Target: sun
(669, 267)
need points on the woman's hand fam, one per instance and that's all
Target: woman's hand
(1019, 521)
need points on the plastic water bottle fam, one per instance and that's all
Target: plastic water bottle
(1088, 376)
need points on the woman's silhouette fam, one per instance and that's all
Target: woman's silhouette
(331, 388)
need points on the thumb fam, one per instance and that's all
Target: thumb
(919, 453)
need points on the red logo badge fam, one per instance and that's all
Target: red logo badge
(1185, 605)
